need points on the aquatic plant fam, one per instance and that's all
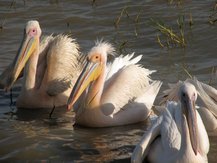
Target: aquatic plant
(121, 45)
(134, 21)
(191, 22)
(169, 37)
(186, 69)
(2, 24)
(13, 4)
(93, 3)
(183, 70)
(212, 75)
(213, 15)
(176, 2)
(118, 19)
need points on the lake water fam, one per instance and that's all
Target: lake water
(27, 135)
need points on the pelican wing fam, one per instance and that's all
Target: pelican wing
(212, 92)
(62, 64)
(126, 83)
(142, 148)
(171, 138)
(168, 144)
(206, 93)
(149, 94)
(209, 120)
(162, 140)
(121, 62)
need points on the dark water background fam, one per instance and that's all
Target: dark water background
(30, 136)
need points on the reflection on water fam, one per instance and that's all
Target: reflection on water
(28, 135)
(31, 136)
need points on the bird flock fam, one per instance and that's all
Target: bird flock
(106, 90)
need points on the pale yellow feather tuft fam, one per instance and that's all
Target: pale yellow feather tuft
(103, 48)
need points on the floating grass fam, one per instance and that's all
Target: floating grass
(187, 72)
(13, 4)
(121, 46)
(184, 68)
(93, 3)
(191, 22)
(211, 75)
(2, 25)
(169, 37)
(136, 21)
(175, 2)
(213, 15)
(118, 19)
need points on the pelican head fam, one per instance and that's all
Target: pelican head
(32, 33)
(188, 97)
(96, 61)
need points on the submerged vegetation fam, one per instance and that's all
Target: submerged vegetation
(2, 24)
(213, 15)
(118, 19)
(135, 21)
(122, 45)
(182, 70)
(186, 70)
(93, 3)
(11, 6)
(168, 36)
(213, 75)
(176, 2)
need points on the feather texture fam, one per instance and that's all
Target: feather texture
(117, 93)
(62, 64)
(168, 139)
(50, 64)
(206, 103)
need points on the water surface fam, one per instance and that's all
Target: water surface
(30, 135)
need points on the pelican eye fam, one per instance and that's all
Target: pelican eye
(183, 94)
(96, 57)
(34, 31)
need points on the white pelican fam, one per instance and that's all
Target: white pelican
(206, 103)
(178, 135)
(51, 66)
(118, 93)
